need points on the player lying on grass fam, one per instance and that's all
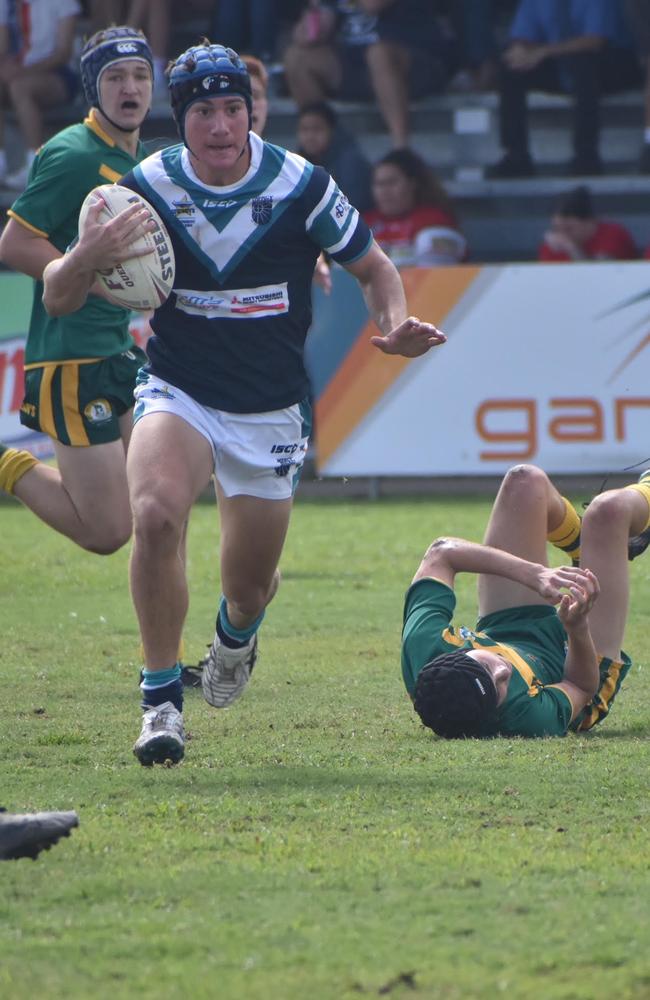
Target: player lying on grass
(545, 656)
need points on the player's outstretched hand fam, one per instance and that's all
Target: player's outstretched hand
(554, 581)
(411, 338)
(103, 245)
(575, 605)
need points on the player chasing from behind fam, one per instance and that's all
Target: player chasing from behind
(546, 654)
(80, 369)
(225, 392)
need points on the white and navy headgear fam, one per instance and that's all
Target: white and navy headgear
(206, 71)
(106, 48)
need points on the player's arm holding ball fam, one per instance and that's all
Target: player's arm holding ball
(70, 279)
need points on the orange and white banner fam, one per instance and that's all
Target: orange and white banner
(544, 363)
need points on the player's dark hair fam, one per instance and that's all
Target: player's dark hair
(455, 696)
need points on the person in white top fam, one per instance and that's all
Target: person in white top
(36, 48)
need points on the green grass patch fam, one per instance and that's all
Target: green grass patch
(316, 842)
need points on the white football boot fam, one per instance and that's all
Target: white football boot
(162, 738)
(227, 672)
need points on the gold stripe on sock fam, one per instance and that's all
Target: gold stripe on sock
(644, 489)
(13, 466)
(568, 531)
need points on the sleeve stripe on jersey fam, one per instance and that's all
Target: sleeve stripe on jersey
(27, 225)
(111, 175)
(349, 230)
(322, 204)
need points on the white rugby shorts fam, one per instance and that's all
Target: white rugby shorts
(257, 454)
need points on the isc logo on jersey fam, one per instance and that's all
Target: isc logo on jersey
(340, 210)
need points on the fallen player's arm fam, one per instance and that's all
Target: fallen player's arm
(384, 294)
(581, 674)
(446, 557)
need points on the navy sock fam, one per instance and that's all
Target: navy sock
(159, 686)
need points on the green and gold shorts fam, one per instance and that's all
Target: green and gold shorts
(79, 403)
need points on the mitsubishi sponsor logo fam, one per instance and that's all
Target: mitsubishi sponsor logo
(235, 303)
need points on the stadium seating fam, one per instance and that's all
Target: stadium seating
(458, 135)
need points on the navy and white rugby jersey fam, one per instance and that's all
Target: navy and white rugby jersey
(232, 332)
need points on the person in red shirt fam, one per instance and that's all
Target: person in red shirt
(413, 221)
(576, 233)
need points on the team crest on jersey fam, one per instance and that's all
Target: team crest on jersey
(184, 210)
(98, 412)
(262, 209)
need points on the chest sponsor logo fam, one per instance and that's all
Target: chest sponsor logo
(235, 303)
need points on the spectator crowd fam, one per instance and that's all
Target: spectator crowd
(388, 53)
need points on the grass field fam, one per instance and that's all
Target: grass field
(316, 842)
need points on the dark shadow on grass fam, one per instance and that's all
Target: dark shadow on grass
(213, 779)
(608, 733)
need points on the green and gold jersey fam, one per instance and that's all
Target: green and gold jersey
(531, 638)
(66, 168)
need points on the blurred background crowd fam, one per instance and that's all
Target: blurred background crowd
(315, 58)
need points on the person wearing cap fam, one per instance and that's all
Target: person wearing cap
(80, 369)
(577, 234)
(546, 653)
(225, 391)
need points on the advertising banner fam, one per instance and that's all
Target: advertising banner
(545, 363)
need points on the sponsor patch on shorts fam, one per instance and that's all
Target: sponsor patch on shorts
(235, 303)
(98, 411)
